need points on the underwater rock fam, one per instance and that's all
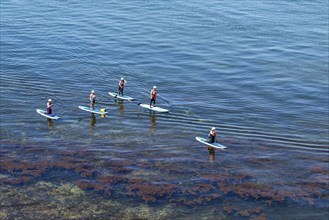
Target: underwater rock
(146, 212)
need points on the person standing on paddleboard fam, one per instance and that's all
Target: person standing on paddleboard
(121, 86)
(92, 98)
(212, 135)
(153, 96)
(49, 106)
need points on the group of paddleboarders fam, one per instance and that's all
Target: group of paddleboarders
(153, 95)
(93, 98)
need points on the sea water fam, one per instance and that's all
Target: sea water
(255, 70)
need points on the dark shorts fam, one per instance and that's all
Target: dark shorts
(152, 101)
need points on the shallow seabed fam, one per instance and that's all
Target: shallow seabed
(76, 183)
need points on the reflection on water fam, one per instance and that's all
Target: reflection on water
(153, 122)
(211, 151)
(121, 107)
(92, 120)
(50, 123)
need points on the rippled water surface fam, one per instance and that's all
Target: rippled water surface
(255, 70)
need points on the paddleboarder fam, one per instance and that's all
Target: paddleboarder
(49, 106)
(212, 135)
(153, 96)
(121, 86)
(92, 98)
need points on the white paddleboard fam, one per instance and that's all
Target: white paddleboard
(94, 110)
(117, 96)
(44, 113)
(156, 109)
(215, 145)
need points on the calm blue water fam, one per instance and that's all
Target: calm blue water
(256, 70)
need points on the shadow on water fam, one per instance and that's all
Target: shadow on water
(121, 107)
(153, 122)
(92, 120)
(211, 151)
(50, 123)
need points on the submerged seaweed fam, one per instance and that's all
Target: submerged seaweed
(79, 173)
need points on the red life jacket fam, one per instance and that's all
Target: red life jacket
(122, 83)
(154, 94)
(213, 133)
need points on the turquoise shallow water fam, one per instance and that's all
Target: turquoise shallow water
(256, 70)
